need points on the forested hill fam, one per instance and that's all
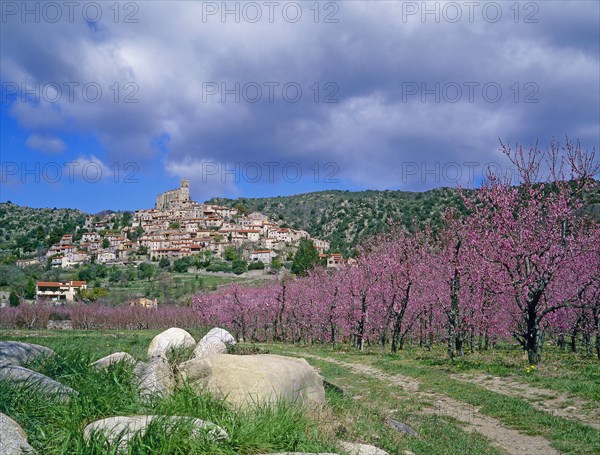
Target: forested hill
(345, 218)
(29, 228)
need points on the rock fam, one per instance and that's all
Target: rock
(354, 448)
(212, 347)
(214, 343)
(122, 430)
(249, 379)
(154, 377)
(298, 453)
(218, 334)
(13, 440)
(17, 353)
(172, 338)
(334, 388)
(111, 359)
(400, 427)
(38, 382)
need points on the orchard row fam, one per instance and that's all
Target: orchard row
(524, 263)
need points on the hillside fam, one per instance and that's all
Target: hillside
(342, 217)
(346, 218)
(29, 228)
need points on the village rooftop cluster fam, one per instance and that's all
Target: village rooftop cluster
(178, 227)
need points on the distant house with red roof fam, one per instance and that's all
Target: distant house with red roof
(59, 291)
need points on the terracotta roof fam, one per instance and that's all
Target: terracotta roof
(57, 284)
(49, 284)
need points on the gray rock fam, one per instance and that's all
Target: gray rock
(333, 387)
(218, 334)
(21, 376)
(121, 430)
(354, 448)
(17, 353)
(400, 427)
(211, 347)
(154, 377)
(13, 440)
(246, 380)
(298, 453)
(111, 359)
(173, 338)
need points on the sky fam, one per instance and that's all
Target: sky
(106, 104)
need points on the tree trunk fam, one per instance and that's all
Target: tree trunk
(459, 346)
(561, 342)
(574, 342)
(360, 341)
(472, 341)
(574, 334)
(534, 341)
(451, 340)
(596, 313)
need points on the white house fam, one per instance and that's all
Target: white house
(59, 291)
(264, 256)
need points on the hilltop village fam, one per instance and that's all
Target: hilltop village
(178, 227)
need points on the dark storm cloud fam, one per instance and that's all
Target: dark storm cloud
(374, 58)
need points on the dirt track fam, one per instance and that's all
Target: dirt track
(509, 440)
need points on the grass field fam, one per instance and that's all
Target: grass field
(485, 403)
(180, 286)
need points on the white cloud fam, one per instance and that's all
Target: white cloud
(46, 144)
(90, 169)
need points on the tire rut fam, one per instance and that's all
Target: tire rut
(507, 439)
(547, 400)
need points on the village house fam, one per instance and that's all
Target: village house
(90, 237)
(144, 302)
(322, 245)
(56, 261)
(22, 263)
(264, 256)
(74, 258)
(59, 291)
(336, 260)
(66, 239)
(105, 256)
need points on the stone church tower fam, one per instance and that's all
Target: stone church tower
(174, 198)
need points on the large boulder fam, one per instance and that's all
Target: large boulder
(173, 338)
(122, 430)
(214, 343)
(218, 334)
(21, 376)
(244, 380)
(213, 347)
(154, 377)
(111, 359)
(18, 353)
(13, 440)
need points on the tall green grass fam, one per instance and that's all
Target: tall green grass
(55, 427)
